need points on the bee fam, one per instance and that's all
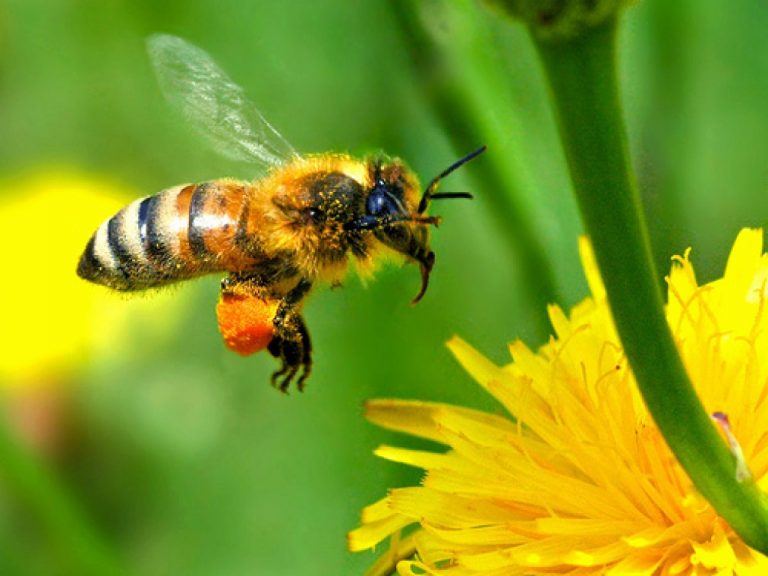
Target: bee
(275, 237)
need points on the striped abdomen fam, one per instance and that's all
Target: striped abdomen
(180, 233)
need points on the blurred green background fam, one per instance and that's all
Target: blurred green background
(177, 453)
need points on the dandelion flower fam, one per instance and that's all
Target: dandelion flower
(578, 479)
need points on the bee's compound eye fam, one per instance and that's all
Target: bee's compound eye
(375, 203)
(380, 201)
(316, 215)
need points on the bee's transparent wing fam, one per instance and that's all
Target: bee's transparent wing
(214, 104)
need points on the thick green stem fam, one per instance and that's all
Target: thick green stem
(582, 77)
(79, 545)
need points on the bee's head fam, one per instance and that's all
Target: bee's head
(394, 196)
(396, 213)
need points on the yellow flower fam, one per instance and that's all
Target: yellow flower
(50, 318)
(579, 480)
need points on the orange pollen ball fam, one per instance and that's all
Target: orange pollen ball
(245, 322)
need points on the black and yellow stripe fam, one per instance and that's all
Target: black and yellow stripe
(136, 248)
(180, 233)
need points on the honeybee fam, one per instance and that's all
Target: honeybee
(275, 237)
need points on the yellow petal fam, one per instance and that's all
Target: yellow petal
(449, 510)
(419, 418)
(370, 534)
(591, 269)
(478, 366)
(419, 458)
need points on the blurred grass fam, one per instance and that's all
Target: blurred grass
(179, 453)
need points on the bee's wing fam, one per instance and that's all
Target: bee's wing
(214, 104)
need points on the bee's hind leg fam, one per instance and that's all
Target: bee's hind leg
(291, 343)
(294, 349)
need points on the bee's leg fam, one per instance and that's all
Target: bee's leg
(295, 353)
(259, 282)
(288, 303)
(291, 341)
(244, 285)
(306, 354)
(372, 222)
(280, 348)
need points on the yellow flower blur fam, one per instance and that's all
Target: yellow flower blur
(50, 317)
(581, 481)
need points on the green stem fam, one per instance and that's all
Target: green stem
(38, 488)
(460, 100)
(582, 78)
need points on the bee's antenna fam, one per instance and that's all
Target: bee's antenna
(430, 193)
(443, 195)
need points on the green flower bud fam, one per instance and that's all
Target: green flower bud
(560, 19)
